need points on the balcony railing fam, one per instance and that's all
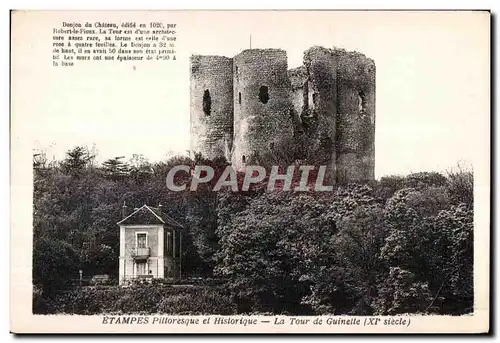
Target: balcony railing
(141, 253)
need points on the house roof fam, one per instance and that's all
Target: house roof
(149, 215)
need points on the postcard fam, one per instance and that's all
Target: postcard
(250, 171)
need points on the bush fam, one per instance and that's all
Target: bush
(207, 301)
(141, 299)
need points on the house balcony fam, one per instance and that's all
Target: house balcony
(141, 254)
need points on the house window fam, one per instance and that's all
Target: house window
(264, 94)
(169, 242)
(239, 98)
(142, 240)
(207, 102)
(142, 269)
(243, 159)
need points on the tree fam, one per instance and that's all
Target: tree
(256, 255)
(77, 160)
(115, 168)
(401, 292)
(140, 168)
(53, 262)
(432, 241)
(460, 184)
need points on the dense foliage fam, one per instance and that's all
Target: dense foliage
(139, 299)
(398, 245)
(401, 245)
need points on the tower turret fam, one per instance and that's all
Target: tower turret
(211, 105)
(261, 103)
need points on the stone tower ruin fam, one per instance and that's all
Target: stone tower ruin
(241, 108)
(212, 105)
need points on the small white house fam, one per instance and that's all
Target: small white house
(150, 244)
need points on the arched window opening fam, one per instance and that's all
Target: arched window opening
(264, 94)
(239, 98)
(243, 159)
(315, 98)
(207, 102)
(361, 102)
(305, 95)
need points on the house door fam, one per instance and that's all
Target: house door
(142, 269)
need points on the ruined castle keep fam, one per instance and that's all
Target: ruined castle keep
(247, 106)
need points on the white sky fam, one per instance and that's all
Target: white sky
(432, 82)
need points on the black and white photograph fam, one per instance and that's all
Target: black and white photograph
(251, 171)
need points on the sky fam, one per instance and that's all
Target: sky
(432, 82)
